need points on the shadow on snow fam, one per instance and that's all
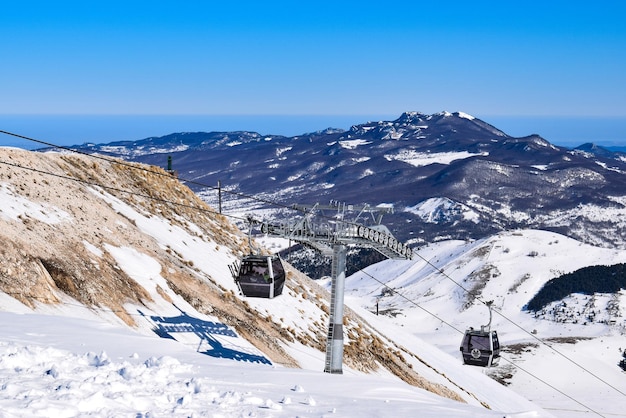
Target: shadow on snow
(208, 332)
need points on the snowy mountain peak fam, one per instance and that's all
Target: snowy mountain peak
(447, 114)
(505, 182)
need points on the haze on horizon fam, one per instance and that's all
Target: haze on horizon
(542, 62)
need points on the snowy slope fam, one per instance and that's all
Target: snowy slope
(58, 366)
(68, 349)
(563, 366)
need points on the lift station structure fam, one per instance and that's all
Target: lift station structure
(338, 227)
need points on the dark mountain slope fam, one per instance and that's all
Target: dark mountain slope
(484, 179)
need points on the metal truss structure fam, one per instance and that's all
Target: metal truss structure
(330, 229)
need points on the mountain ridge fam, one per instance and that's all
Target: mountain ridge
(507, 182)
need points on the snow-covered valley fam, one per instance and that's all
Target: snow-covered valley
(178, 339)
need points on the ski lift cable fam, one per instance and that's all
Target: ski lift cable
(143, 168)
(441, 271)
(251, 197)
(447, 276)
(502, 357)
(116, 189)
(498, 312)
(120, 161)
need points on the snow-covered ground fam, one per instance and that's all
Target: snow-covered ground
(569, 369)
(56, 366)
(70, 360)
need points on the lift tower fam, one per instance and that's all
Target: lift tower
(339, 226)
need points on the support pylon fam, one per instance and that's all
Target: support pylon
(334, 342)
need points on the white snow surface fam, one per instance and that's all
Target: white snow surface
(68, 360)
(68, 367)
(419, 159)
(434, 209)
(574, 374)
(15, 206)
(353, 143)
(465, 115)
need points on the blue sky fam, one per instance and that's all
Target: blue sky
(486, 58)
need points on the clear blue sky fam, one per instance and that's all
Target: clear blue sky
(487, 58)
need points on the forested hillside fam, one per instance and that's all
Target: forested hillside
(587, 280)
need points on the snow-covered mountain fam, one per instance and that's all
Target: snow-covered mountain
(448, 175)
(116, 299)
(561, 351)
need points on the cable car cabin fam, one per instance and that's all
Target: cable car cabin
(261, 276)
(480, 348)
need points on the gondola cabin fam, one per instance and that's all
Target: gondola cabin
(480, 348)
(260, 276)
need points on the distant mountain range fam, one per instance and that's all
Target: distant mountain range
(447, 175)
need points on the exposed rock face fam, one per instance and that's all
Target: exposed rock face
(68, 222)
(60, 224)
